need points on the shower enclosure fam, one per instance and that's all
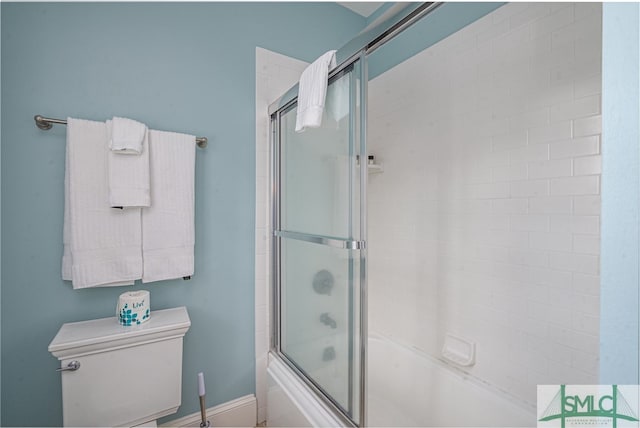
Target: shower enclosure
(319, 244)
(436, 241)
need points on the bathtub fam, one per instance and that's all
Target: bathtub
(290, 402)
(409, 388)
(405, 388)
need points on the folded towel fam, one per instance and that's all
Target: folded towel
(312, 91)
(102, 246)
(127, 136)
(168, 229)
(128, 175)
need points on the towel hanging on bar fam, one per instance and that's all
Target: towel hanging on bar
(46, 123)
(164, 251)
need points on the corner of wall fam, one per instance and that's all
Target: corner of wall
(0, 298)
(620, 297)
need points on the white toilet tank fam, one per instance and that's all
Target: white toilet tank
(126, 376)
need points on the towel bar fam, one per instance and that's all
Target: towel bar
(46, 123)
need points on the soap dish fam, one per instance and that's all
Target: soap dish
(458, 350)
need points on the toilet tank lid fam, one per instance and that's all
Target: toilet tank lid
(83, 337)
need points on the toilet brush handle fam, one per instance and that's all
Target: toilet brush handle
(203, 408)
(203, 413)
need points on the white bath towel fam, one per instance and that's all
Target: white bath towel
(312, 91)
(128, 174)
(127, 136)
(102, 246)
(168, 229)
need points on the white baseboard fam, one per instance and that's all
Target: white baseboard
(240, 412)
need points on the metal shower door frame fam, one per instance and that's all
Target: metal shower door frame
(348, 244)
(392, 23)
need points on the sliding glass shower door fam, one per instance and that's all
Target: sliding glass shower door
(318, 245)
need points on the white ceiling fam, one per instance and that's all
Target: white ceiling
(364, 8)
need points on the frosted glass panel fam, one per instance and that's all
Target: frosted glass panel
(319, 279)
(316, 315)
(316, 169)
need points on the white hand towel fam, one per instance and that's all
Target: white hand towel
(102, 246)
(312, 92)
(128, 175)
(168, 229)
(127, 136)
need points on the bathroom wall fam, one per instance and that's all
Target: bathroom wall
(620, 303)
(182, 67)
(384, 7)
(485, 220)
(441, 22)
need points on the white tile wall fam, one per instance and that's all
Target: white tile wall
(485, 221)
(275, 73)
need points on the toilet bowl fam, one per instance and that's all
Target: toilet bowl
(114, 375)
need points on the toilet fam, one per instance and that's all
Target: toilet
(114, 375)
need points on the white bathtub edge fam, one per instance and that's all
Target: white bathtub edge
(300, 397)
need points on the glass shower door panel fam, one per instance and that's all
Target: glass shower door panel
(317, 232)
(316, 168)
(316, 315)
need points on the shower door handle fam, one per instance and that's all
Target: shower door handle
(345, 244)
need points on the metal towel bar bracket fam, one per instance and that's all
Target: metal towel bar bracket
(46, 123)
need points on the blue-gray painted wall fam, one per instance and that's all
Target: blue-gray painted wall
(619, 297)
(379, 11)
(184, 67)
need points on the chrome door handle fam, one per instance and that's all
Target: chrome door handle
(345, 244)
(72, 366)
